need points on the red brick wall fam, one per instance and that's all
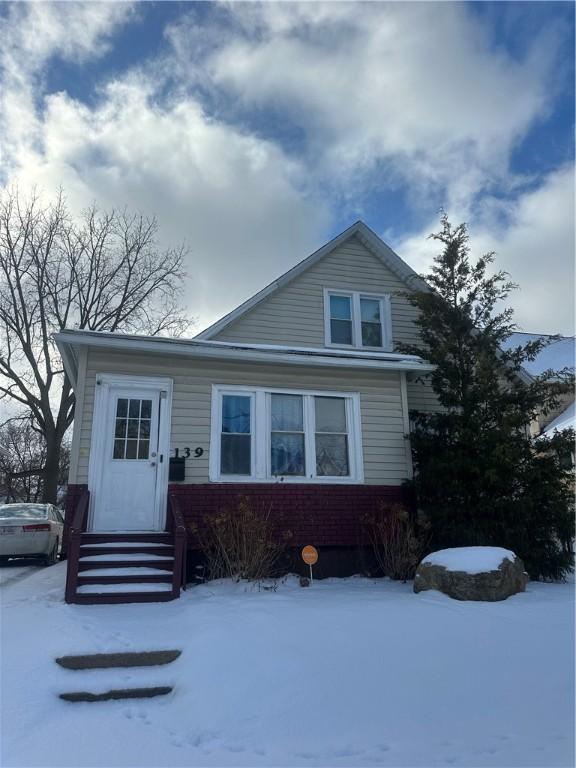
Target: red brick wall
(326, 515)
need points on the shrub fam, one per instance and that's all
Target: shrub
(240, 543)
(398, 543)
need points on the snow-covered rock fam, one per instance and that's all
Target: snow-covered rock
(472, 573)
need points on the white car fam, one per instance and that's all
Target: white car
(31, 530)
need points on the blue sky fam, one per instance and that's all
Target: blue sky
(255, 132)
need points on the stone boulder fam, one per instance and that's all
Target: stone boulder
(472, 573)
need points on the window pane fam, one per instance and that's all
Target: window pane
(235, 414)
(330, 414)
(118, 449)
(340, 308)
(370, 310)
(371, 335)
(144, 429)
(133, 428)
(134, 409)
(120, 428)
(341, 331)
(143, 447)
(235, 454)
(287, 454)
(332, 456)
(131, 448)
(146, 411)
(287, 413)
(122, 407)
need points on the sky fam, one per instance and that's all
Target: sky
(257, 132)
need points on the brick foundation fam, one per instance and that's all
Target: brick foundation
(325, 515)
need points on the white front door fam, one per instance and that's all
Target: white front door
(127, 496)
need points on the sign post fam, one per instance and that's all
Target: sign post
(310, 557)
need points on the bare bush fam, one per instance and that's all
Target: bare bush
(397, 542)
(240, 543)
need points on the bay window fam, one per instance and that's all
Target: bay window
(354, 319)
(261, 435)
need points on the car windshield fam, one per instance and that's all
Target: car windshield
(32, 511)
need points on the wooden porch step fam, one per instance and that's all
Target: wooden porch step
(116, 598)
(98, 538)
(161, 564)
(166, 550)
(162, 578)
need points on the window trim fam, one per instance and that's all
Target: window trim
(261, 438)
(355, 297)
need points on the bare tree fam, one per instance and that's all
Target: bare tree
(23, 459)
(102, 272)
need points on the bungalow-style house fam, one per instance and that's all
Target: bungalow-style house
(296, 399)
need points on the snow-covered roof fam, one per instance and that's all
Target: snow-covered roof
(69, 341)
(564, 420)
(557, 355)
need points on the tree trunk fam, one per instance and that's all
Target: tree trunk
(51, 470)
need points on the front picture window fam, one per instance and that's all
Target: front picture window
(293, 436)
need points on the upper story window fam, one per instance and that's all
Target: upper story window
(354, 319)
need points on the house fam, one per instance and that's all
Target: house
(296, 399)
(559, 355)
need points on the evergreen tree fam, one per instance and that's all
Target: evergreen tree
(479, 476)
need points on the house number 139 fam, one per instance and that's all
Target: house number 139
(187, 452)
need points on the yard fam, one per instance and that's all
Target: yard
(348, 672)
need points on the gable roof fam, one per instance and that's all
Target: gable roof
(366, 236)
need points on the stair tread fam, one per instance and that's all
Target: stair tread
(140, 570)
(102, 589)
(122, 556)
(127, 544)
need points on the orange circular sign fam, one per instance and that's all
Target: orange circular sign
(310, 555)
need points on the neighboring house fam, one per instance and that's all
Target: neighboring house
(296, 399)
(557, 356)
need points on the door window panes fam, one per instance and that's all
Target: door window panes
(236, 437)
(331, 437)
(287, 435)
(132, 428)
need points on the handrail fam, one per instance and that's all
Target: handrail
(74, 540)
(178, 528)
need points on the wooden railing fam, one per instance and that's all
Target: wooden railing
(77, 527)
(175, 524)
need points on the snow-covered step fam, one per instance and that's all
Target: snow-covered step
(122, 556)
(112, 544)
(137, 571)
(103, 589)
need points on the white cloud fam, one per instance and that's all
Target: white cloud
(419, 86)
(533, 237)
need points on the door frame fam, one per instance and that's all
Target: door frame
(103, 383)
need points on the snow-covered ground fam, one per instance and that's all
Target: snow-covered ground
(346, 673)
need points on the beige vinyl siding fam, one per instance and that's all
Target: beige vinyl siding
(421, 396)
(295, 314)
(384, 447)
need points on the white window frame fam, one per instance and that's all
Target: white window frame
(261, 422)
(356, 316)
